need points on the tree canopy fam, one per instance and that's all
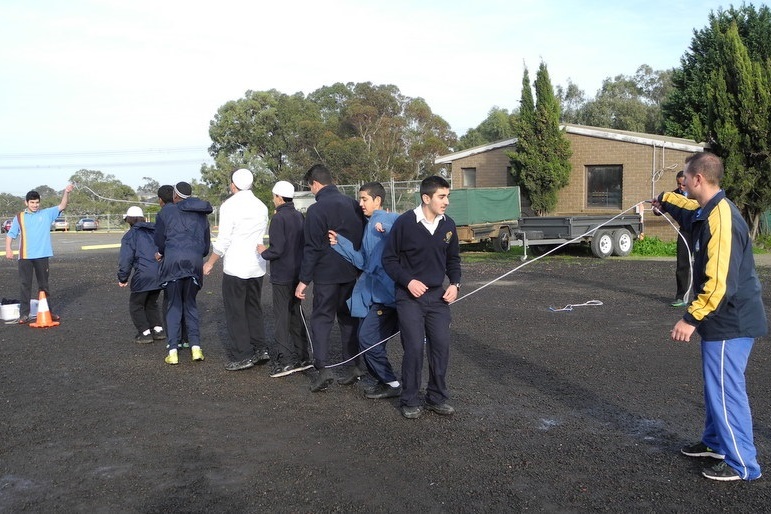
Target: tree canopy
(541, 160)
(361, 131)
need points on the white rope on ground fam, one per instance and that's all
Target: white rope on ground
(569, 307)
(577, 238)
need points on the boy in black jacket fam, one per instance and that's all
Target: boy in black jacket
(137, 254)
(422, 249)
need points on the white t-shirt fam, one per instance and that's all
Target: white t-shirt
(243, 223)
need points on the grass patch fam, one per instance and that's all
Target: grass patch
(654, 247)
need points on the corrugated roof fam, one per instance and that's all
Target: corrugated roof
(676, 143)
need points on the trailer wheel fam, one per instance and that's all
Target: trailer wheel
(502, 243)
(622, 242)
(602, 244)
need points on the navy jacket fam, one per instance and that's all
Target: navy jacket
(285, 252)
(728, 300)
(137, 254)
(183, 238)
(332, 211)
(412, 252)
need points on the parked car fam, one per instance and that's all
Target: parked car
(86, 224)
(6, 226)
(60, 223)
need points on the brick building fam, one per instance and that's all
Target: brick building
(612, 170)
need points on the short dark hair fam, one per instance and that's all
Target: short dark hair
(32, 195)
(133, 219)
(166, 193)
(708, 165)
(429, 185)
(318, 173)
(374, 189)
(680, 174)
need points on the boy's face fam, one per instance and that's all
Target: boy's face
(368, 204)
(32, 205)
(437, 203)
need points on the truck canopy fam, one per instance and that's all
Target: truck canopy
(484, 205)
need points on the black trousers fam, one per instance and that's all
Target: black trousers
(683, 270)
(290, 343)
(144, 310)
(28, 267)
(181, 307)
(329, 302)
(424, 320)
(243, 315)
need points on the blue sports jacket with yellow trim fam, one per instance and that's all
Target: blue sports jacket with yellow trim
(727, 302)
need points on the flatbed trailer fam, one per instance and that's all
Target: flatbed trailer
(606, 235)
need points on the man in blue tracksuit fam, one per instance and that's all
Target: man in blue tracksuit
(373, 295)
(183, 239)
(727, 312)
(421, 250)
(332, 276)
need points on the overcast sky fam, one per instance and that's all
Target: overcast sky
(129, 87)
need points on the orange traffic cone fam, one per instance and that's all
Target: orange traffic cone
(43, 314)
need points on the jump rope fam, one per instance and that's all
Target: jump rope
(568, 307)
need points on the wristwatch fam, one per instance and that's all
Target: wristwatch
(457, 285)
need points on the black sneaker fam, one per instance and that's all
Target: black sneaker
(322, 381)
(352, 376)
(700, 450)
(443, 409)
(261, 357)
(412, 412)
(721, 471)
(143, 339)
(159, 335)
(282, 370)
(239, 365)
(381, 391)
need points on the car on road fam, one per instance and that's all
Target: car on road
(60, 223)
(86, 224)
(6, 226)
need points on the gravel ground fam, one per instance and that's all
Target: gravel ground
(574, 411)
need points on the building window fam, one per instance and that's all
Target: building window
(603, 186)
(469, 177)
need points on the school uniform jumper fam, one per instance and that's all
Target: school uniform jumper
(413, 252)
(34, 250)
(728, 314)
(137, 260)
(373, 298)
(242, 226)
(332, 276)
(285, 254)
(183, 238)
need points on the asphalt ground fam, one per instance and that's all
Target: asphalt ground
(571, 411)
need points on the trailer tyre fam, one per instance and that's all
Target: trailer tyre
(602, 244)
(502, 242)
(622, 242)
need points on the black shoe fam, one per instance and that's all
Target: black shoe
(721, 471)
(381, 391)
(322, 381)
(143, 339)
(700, 450)
(282, 370)
(261, 357)
(159, 336)
(23, 320)
(412, 412)
(443, 409)
(55, 317)
(239, 365)
(353, 375)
